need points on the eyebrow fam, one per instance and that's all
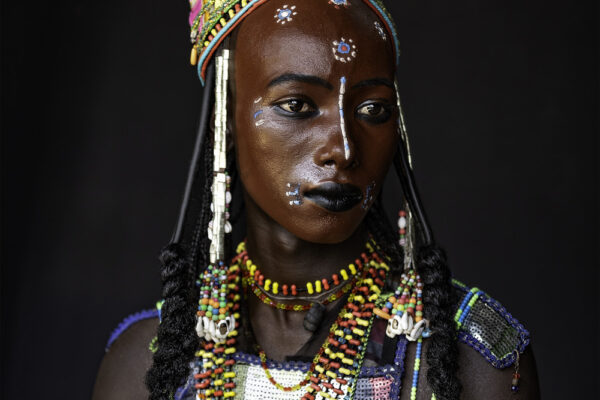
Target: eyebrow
(374, 82)
(315, 80)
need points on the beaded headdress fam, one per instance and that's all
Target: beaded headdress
(211, 21)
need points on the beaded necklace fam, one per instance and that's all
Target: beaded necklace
(335, 367)
(266, 285)
(294, 307)
(252, 278)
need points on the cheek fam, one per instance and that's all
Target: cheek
(267, 160)
(377, 149)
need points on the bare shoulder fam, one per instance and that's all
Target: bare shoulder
(481, 380)
(122, 371)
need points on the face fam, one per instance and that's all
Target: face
(315, 114)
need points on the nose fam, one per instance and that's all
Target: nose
(338, 150)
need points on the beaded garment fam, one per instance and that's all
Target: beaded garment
(482, 323)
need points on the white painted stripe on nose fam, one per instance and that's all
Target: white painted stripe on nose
(342, 123)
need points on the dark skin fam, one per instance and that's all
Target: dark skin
(301, 141)
(296, 93)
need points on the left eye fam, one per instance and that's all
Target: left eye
(371, 110)
(375, 113)
(295, 106)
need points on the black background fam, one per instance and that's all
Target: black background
(99, 111)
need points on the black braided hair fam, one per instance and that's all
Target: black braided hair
(439, 305)
(439, 302)
(177, 340)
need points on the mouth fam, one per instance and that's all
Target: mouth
(336, 197)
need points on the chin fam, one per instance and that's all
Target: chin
(328, 228)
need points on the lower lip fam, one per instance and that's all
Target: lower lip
(334, 204)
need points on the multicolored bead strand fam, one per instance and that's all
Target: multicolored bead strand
(298, 386)
(214, 373)
(268, 286)
(404, 309)
(416, 368)
(466, 306)
(407, 297)
(338, 364)
(294, 307)
(402, 223)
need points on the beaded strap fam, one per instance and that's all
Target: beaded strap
(127, 322)
(485, 325)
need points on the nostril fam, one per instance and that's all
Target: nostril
(329, 163)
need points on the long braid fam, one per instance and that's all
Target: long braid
(438, 299)
(176, 337)
(439, 306)
(201, 244)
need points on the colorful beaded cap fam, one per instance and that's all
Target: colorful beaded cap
(212, 20)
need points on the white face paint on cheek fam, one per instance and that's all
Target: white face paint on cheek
(368, 195)
(342, 123)
(260, 121)
(339, 3)
(294, 194)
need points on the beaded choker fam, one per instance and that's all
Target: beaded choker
(260, 287)
(254, 276)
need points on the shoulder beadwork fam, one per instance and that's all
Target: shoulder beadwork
(485, 325)
(130, 320)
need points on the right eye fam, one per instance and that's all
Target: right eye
(296, 108)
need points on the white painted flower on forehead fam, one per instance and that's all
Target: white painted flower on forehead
(344, 50)
(285, 14)
(380, 30)
(339, 3)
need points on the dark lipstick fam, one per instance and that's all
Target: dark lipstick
(336, 197)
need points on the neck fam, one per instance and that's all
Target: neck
(283, 257)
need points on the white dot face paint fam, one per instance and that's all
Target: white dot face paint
(368, 199)
(339, 3)
(344, 50)
(294, 194)
(284, 14)
(260, 121)
(342, 122)
(380, 30)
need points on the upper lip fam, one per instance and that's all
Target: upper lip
(335, 196)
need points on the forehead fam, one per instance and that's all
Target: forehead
(314, 37)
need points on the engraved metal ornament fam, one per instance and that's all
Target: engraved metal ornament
(218, 226)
